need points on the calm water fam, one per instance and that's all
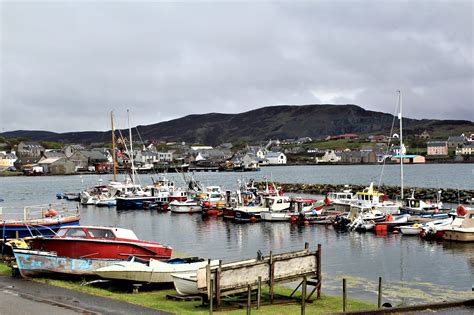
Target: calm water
(412, 270)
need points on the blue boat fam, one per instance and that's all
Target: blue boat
(32, 263)
(37, 220)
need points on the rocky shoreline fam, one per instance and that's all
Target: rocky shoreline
(447, 195)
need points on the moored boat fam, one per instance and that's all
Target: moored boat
(185, 283)
(187, 206)
(100, 242)
(37, 220)
(464, 232)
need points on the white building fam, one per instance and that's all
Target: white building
(276, 158)
(328, 157)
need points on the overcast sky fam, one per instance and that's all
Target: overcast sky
(66, 64)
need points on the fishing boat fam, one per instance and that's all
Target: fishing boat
(252, 213)
(37, 220)
(370, 197)
(297, 205)
(152, 271)
(185, 283)
(33, 263)
(100, 242)
(342, 200)
(416, 206)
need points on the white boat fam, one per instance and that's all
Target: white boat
(252, 213)
(414, 229)
(464, 232)
(342, 200)
(152, 271)
(296, 207)
(188, 206)
(185, 283)
(370, 197)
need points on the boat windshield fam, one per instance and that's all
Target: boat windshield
(99, 233)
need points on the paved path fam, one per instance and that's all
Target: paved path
(20, 296)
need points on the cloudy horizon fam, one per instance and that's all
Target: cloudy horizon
(66, 64)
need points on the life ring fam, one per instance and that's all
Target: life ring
(461, 211)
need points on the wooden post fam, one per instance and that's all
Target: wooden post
(208, 278)
(259, 292)
(344, 295)
(249, 298)
(218, 285)
(272, 275)
(211, 299)
(379, 304)
(303, 296)
(318, 257)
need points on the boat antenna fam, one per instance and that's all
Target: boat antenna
(114, 158)
(386, 151)
(131, 147)
(401, 143)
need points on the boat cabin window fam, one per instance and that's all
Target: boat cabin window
(98, 233)
(75, 233)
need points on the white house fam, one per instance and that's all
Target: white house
(7, 160)
(276, 158)
(328, 157)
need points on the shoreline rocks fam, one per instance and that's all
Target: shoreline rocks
(447, 194)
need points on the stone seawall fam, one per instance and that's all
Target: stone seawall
(447, 195)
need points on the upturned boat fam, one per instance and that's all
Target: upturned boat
(100, 242)
(152, 271)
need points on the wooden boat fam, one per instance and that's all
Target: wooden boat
(37, 220)
(100, 242)
(32, 263)
(185, 283)
(152, 271)
(187, 206)
(464, 232)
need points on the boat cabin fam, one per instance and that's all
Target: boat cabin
(370, 196)
(93, 232)
(276, 202)
(301, 205)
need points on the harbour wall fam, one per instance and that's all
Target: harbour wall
(447, 195)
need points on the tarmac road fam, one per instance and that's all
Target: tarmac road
(20, 296)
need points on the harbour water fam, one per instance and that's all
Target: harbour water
(413, 270)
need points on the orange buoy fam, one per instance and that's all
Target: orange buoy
(306, 222)
(253, 219)
(461, 211)
(51, 213)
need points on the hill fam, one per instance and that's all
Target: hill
(273, 122)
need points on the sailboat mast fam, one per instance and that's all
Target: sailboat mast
(113, 145)
(131, 147)
(401, 142)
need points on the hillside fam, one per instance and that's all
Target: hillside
(271, 122)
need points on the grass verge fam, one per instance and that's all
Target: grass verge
(156, 299)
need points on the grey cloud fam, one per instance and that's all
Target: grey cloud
(66, 64)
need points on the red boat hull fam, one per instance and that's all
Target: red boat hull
(97, 248)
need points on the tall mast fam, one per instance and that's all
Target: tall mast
(401, 142)
(131, 147)
(113, 145)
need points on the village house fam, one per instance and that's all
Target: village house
(377, 138)
(57, 166)
(7, 160)
(424, 135)
(466, 149)
(85, 159)
(329, 156)
(29, 152)
(345, 136)
(456, 141)
(437, 148)
(276, 158)
(358, 157)
(69, 150)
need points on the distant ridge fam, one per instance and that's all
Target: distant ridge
(272, 122)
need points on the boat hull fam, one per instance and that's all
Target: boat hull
(134, 203)
(37, 263)
(102, 248)
(459, 234)
(185, 284)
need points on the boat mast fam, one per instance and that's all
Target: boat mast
(401, 142)
(113, 145)
(131, 147)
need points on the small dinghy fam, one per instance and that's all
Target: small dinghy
(414, 229)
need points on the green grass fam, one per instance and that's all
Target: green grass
(156, 299)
